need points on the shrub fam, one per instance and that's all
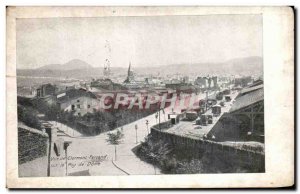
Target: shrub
(168, 164)
(29, 117)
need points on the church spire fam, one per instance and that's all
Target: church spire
(128, 73)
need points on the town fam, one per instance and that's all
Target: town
(142, 123)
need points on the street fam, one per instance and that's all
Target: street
(127, 162)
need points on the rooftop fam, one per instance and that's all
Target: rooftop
(73, 94)
(251, 89)
(246, 99)
(192, 130)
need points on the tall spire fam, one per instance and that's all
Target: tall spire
(128, 73)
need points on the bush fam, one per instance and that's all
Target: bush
(190, 167)
(168, 164)
(29, 117)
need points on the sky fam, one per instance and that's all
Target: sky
(143, 41)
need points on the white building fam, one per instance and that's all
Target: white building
(78, 101)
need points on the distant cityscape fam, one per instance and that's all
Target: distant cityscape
(222, 112)
(140, 95)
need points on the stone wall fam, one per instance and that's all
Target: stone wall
(250, 159)
(32, 144)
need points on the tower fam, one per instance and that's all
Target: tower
(106, 69)
(215, 81)
(130, 75)
(209, 79)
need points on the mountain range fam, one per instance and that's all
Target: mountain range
(77, 68)
(71, 65)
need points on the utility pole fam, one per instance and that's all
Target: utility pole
(136, 139)
(159, 119)
(147, 123)
(164, 115)
(206, 103)
(208, 80)
(49, 132)
(66, 145)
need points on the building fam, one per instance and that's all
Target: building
(180, 86)
(186, 79)
(154, 82)
(28, 92)
(250, 103)
(245, 119)
(207, 82)
(77, 101)
(106, 84)
(45, 90)
(131, 82)
(201, 82)
(215, 81)
(130, 75)
(242, 81)
(209, 79)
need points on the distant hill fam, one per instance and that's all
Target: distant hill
(243, 66)
(71, 65)
(80, 69)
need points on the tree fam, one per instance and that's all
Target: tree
(115, 139)
(52, 112)
(70, 118)
(29, 117)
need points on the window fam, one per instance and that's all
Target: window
(78, 105)
(78, 100)
(73, 107)
(89, 106)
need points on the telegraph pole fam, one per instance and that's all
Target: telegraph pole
(159, 119)
(208, 78)
(66, 145)
(136, 139)
(49, 132)
(147, 123)
(206, 103)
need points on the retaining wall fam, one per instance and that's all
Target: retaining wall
(198, 147)
(31, 144)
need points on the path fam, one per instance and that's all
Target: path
(97, 146)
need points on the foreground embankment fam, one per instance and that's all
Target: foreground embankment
(180, 154)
